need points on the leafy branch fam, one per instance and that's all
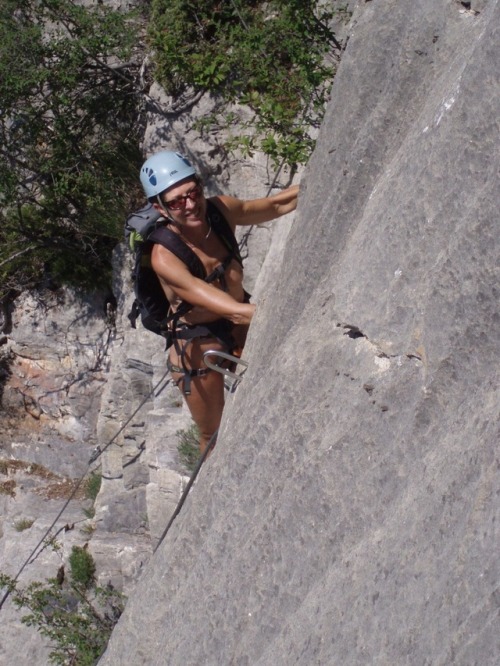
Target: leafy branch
(70, 125)
(75, 615)
(276, 58)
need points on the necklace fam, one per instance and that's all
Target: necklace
(179, 231)
(209, 230)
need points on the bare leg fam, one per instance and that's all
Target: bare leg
(206, 399)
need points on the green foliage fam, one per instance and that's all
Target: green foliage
(91, 488)
(93, 485)
(71, 121)
(68, 140)
(23, 524)
(273, 57)
(82, 566)
(189, 446)
(89, 513)
(78, 621)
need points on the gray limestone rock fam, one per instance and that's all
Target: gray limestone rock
(58, 362)
(26, 516)
(349, 512)
(57, 355)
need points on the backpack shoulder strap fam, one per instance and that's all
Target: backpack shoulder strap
(223, 230)
(172, 241)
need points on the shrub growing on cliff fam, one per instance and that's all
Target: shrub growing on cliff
(93, 485)
(189, 446)
(82, 567)
(77, 619)
(275, 57)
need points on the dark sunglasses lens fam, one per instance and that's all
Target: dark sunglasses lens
(180, 203)
(177, 204)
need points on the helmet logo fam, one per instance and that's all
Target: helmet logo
(164, 170)
(151, 176)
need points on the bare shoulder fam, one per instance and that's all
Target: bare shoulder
(167, 265)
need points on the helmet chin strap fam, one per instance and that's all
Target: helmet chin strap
(164, 210)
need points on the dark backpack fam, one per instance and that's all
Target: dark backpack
(143, 229)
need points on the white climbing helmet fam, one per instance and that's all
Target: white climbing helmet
(162, 170)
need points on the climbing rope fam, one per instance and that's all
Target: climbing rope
(98, 451)
(95, 455)
(192, 479)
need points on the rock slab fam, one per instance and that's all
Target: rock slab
(349, 514)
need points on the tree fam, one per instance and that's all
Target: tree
(71, 112)
(69, 135)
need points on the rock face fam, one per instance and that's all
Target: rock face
(75, 376)
(58, 357)
(349, 513)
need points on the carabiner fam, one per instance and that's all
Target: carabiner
(228, 374)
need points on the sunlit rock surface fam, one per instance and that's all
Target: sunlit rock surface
(349, 512)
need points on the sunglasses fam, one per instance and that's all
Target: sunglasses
(179, 203)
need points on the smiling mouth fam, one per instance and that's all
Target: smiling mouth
(196, 213)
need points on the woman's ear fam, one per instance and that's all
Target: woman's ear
(162, 210)
(157, 206)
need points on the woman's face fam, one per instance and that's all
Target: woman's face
(184, 202)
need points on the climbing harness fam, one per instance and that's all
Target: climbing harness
(183, 334)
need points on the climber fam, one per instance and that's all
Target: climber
(221, 312)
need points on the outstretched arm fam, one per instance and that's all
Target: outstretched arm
(257, 211)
